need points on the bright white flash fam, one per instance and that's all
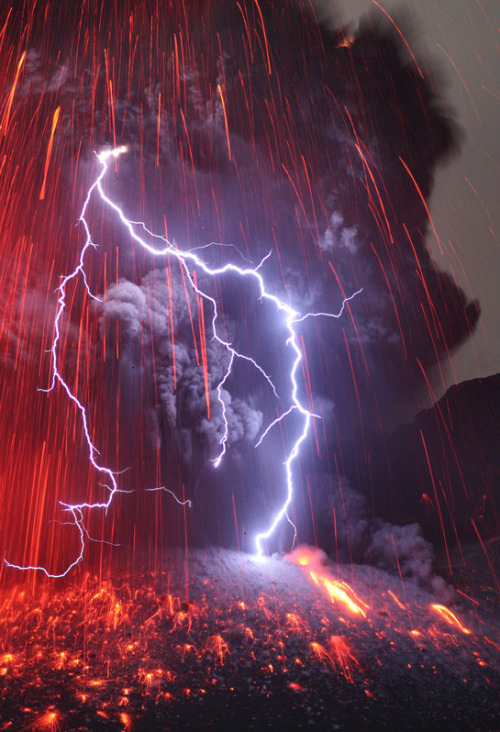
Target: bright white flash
(185, 258)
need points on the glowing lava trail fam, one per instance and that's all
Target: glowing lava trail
(292, 317)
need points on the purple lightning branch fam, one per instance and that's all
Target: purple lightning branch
(185, 258)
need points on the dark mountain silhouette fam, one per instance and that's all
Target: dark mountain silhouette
(442, 470)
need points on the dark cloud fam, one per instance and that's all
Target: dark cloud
(346, 528)
(255, 126)
(153, 322)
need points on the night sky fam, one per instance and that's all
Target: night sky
(258, 128)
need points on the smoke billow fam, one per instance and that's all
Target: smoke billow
(348, 531)
(153, 322)
(257, 127)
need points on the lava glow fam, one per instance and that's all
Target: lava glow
(341, 592)
(337, 654)
(185, 258)
(336, 590)
(111, 650)
(450, 618)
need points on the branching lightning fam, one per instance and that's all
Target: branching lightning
(185, 258)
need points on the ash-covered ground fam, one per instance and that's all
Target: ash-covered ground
(221, 640)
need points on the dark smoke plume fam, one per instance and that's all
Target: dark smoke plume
(274, 134)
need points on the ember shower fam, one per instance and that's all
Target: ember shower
(247, 124)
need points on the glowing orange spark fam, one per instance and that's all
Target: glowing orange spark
(450, 618)
(401, 35)
(6, 115)
(217, 647)
(396, 600)
(336, 589)
(48, 721)
(338, 655)
(225, 120)
(265, 37)
(421, 196)
(49, 152)
(126, 720)
(342, 592)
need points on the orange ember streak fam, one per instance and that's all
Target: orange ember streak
(225, 120)
(49, 721)
(6, 115)
(460, 76)
(342, 652)
(450, 618)
(445, 425)
(2, 32)
(490, 642)
(192, 159)
(433, 337)
(158, 131)
(297, 193)
(171, 318)
(335, 589)
(322, 653)
(49, 152)
(338, 591)
(421, 274)
(265, 37)
(312, 512)
(337, 656)
(247, 28)
(401, 36)
(393, 299)
(126, 720)
(341, 288)
(190, 314)
(468, 597)
(372, 178)
(217, 647)
(396, 600)
(353, 375)
(425, 205)
(152, 343)
(316, 238)
(437, 500)
(203, 344)
(113, 123)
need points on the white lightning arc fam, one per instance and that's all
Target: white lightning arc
(292, 317)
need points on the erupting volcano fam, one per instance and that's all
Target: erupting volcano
(224, 340)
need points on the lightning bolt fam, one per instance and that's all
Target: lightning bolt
(185, 258)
